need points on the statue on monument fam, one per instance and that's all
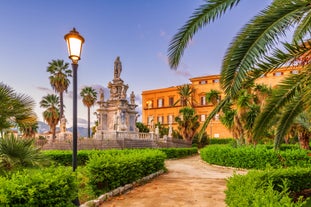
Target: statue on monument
(101, 95)
(124, 90)
(117, 68)
(132, 98)
(63, 124)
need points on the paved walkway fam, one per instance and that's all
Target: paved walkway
(189, 182)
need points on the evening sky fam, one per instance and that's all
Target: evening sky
(139, 31)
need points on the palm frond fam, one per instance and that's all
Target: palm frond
(213, 113)
(286, 91)
(304, 27)
(205, 14)
(255, 40)
(291, 111)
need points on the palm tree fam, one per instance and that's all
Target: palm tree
(51, 115)
(185, 93)
(29, 129)
(262, 92)
(188, 123)
(288, 101)
(239, 114)
(213, 96)
(15, 109)
(89, 96)
(16, 153)
(59, 79)
(302, 127)
(254, 51)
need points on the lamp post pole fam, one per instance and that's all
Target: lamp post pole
(74, 118)
(74, 43)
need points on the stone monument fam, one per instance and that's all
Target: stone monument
(116, 114)
(63, 134)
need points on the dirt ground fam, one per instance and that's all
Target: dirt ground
(189, 182)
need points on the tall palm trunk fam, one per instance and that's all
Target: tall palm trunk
(53, 130)
(304, 141)
(61, 100)
(61, 103)
(88, 122)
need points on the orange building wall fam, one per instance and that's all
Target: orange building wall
(201, 85)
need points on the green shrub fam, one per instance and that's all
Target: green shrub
(179, 152)
(250, 157)
(64, 157)
(221, 141)
(267, 188)
(45, 187)
(17, 153)
(107, 172)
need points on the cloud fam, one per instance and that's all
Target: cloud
(162, 33)
(81, 121)
(182, 73)
(190, 43)
(97, 87)
(163, 58)
(183, 67)
(44, 89)
(69, 94)
(137, 99)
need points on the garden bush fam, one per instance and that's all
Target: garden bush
(179, 152)
(55, 186)
(64, 157)
(250, 157)
(271, 187)
(107, 172)
(221, 141)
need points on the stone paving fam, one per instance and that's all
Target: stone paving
(189, 182)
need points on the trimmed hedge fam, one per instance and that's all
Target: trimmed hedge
(221, 141)
(64, 157)
(179, 152)
(259, 157)
(107, 172)
(268, 188)
(45, 187)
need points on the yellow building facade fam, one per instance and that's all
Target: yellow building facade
(158, 104)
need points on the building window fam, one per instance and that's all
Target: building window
(278, 73)
(202, 117)
(216, 81)
(203, 100)
(294, 72)
(203, 82)
(170, 119)
(171, 101)
(160, 119)
(160, 102)
(216, 118)
(183, 101)
(150, 120)
(149, 104)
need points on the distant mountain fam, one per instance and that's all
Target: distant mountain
(43, 127)
(82, 132)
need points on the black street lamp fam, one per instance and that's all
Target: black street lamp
(74, 43)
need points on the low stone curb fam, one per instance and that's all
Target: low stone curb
(120, 190)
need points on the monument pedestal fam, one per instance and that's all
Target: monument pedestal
(116, 114)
